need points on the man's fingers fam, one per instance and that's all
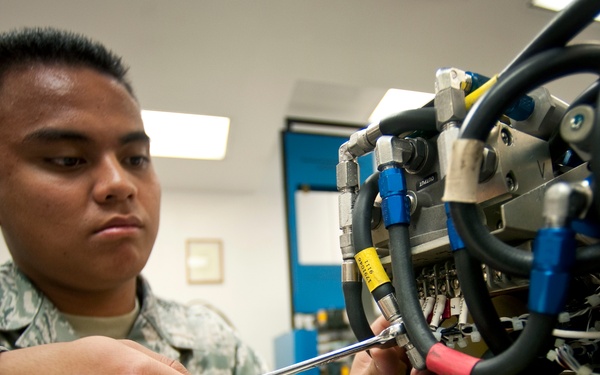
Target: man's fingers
(175, 365)
(379, 325)
(390, 361)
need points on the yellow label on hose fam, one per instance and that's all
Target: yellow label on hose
(371, 269)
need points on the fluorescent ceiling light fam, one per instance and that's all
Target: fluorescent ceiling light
(179, 135)
(555, 5)
(396, 100)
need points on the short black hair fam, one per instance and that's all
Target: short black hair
(49, 45)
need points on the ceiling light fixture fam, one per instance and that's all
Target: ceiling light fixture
(554, 5)
(187, 136)
(397, 100)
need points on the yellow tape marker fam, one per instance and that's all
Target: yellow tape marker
(475, 95)
(371, 269)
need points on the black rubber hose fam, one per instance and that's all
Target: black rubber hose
(361, 238)
(362, 213)
(587, 260)
(481, 240)
(485, 246)
(361, 225)
(588, 96)
(511, 361)
(405, 284)
(410, 120)
(532, 73)
(483, 312)
(595, 161)
(561, 29)
(514, 359)
(406, 121)
(474, 289)
(357, 318)
(527, 348)
(538, 70)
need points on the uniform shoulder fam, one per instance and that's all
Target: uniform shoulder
(196, 314)
(19, 300)
(10, 280)
(205, 329)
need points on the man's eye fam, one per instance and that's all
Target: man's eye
(138, 161)
(67, 161)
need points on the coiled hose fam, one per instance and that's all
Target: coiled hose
(532, 73)
(361, 237)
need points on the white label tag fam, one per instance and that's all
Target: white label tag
(454, 306)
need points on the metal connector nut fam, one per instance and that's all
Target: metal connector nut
(393, 150)
(346, 174)
(489, 164)
(449, 96)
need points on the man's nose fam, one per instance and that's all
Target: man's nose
(113, 182)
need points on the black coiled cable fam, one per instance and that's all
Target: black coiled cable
(361, 238)
(532, 73)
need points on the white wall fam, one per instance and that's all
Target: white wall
(255, 293)
(4, 255)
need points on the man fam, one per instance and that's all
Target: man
(80, 212)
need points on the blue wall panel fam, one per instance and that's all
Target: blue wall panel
(310, 160)
(296, 346)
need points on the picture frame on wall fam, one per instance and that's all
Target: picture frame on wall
(204, 261)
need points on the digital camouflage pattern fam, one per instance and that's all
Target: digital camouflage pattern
(196, 336)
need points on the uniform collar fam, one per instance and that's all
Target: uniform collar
(24, 308)
(169, 320)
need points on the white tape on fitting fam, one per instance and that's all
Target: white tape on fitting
(438, 310)
(463, 171)
(464, 312)
(428, 306)
(455, 305)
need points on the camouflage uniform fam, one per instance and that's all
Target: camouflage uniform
(196, 336)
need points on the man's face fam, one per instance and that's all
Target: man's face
(79, 199)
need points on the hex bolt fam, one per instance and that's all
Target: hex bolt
(489, 164)
(577, 121)
(511, 184)
(506, 137)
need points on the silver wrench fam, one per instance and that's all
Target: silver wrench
(384, 337)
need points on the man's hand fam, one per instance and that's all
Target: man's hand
(392, 361)
(89, 356)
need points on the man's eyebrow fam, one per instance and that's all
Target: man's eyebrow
(50, 135)
(135, 137)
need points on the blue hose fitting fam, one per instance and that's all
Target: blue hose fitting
(456, 243)
(553, 257)
(520, 110)
(395, 206)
